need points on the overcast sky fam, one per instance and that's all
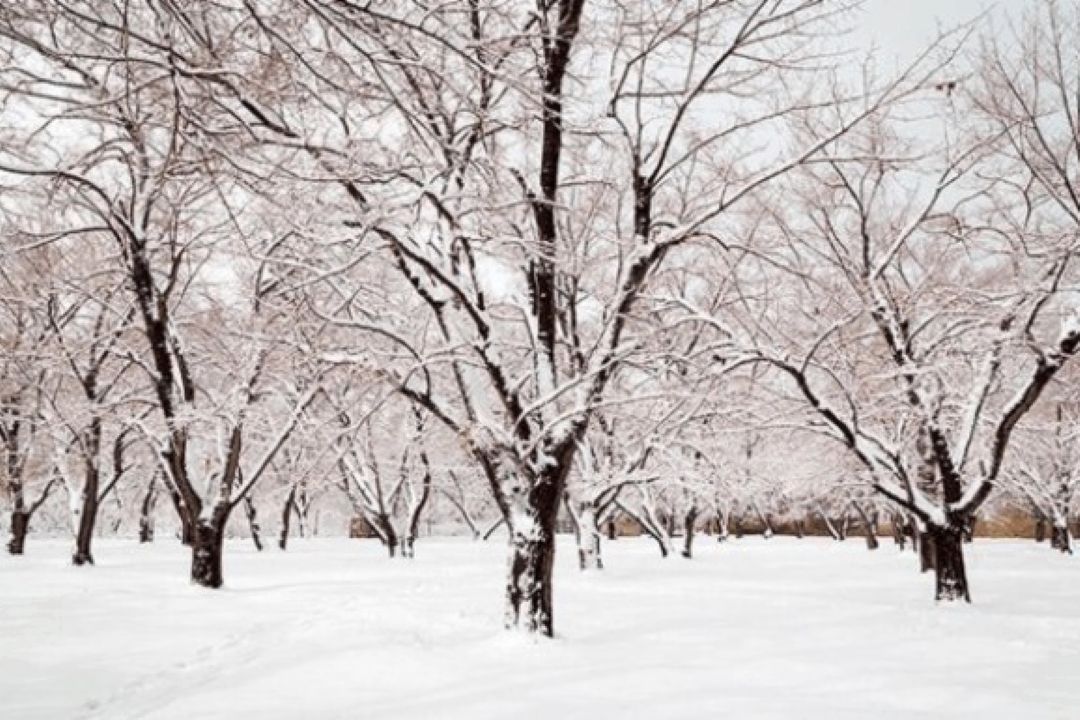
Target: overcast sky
(901, 28)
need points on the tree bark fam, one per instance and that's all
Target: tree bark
(84, 534)
(286, 517)
(528, 589)
(20, 525)
(870, 522)
(688, 525)
(927, 552)
(146, 512)
(206, 549)
(950, 575)
(1061, 538)
(253, 522)
(588, 539)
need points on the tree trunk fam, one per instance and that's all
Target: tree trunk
(688, 524)
(187, 529)
(588, 536)
(1061, 538)
(870, 522)
(416, 509)
(20, 525)
(830, 526)
(898, 533)
(949, 573)
(84, 535)
(1040, 530)
(386, 532)
(146, 512)
(286, 516)
(927, 551)
(528, 589)
(253, 522)
(206, 549)
(721, 526)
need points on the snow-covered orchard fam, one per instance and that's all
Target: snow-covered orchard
(324, 322)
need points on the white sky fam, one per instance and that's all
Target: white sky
(901, 28)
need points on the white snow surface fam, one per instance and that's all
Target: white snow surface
(332, 629)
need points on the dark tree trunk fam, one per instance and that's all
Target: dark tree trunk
(146, 512)
(253, 522)
(969, 529)
(1040, 530)
(950, 576)
(84, 536)
(669, 523)
(611, 530)
(927, 552)
(532, 557)
(207, 548)
(20, 526)
(1061, 538)
(688, 524)
(531, 520)
(911, 531)
(722, 520)
(898, 533)
(870, 523)
(799, 530)
(386, 532)
(286, 518)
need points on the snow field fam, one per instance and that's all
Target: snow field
(332, 629)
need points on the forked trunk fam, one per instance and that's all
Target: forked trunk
(20, 525)
(949, 573)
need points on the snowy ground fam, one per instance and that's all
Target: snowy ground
(752, 629)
